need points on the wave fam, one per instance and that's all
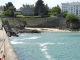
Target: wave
(31, 38)
(48, 56)
(44, 49)
(43, 44)
(13, 42)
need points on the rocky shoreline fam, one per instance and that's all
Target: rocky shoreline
(13, 31)
(13, 26)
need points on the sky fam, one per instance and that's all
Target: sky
(51, 3)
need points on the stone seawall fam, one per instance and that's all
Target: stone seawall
(10, 54)
(35, 22)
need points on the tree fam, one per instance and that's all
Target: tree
(56, 10)
(9, 12)
(46, 9)
(72, 21)
(72, 18)
(8, 5)
(40, 8)
(9, 9)
(64, 14)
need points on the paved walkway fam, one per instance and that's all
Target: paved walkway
(1, 41)
(6, 47)
(1, 44)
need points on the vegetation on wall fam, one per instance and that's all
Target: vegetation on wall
(72, 21)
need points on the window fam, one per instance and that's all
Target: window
(76, 11)
(77, 7)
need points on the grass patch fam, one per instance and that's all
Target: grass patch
(21, 16)
(51, 15)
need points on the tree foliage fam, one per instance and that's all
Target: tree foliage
(64, 14)
(56, 10)
(72, 18)
(9, 9)
(40, 8)
(72, 21)
(46, 9)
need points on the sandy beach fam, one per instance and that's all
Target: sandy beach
(47, 29)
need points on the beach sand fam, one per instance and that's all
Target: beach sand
(47, 29)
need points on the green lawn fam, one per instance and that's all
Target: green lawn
(21, 16)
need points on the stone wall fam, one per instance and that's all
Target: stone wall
(38, 22)
(62, 24)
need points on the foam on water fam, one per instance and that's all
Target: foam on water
(43, 44)
(31, 38)
(48, 56)
(44, 49)
(13, 42)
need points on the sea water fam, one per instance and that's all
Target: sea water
(47, 46)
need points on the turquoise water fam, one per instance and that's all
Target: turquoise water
(47, 46)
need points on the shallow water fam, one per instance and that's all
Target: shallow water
(47, 46)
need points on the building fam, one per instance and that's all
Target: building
(27, 10)
(73, 7)
(18, 11)
(1, 9)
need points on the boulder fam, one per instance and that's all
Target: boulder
(35, 31)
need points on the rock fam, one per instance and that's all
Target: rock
(35, 31)
(28, 31)
(13, 34)
(8, 33)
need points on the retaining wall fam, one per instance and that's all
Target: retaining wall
(10, 54)
(38, 22)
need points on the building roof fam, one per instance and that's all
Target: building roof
(64, 3)
(74, 3)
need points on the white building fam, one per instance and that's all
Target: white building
(73, 7)
(27, 10)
